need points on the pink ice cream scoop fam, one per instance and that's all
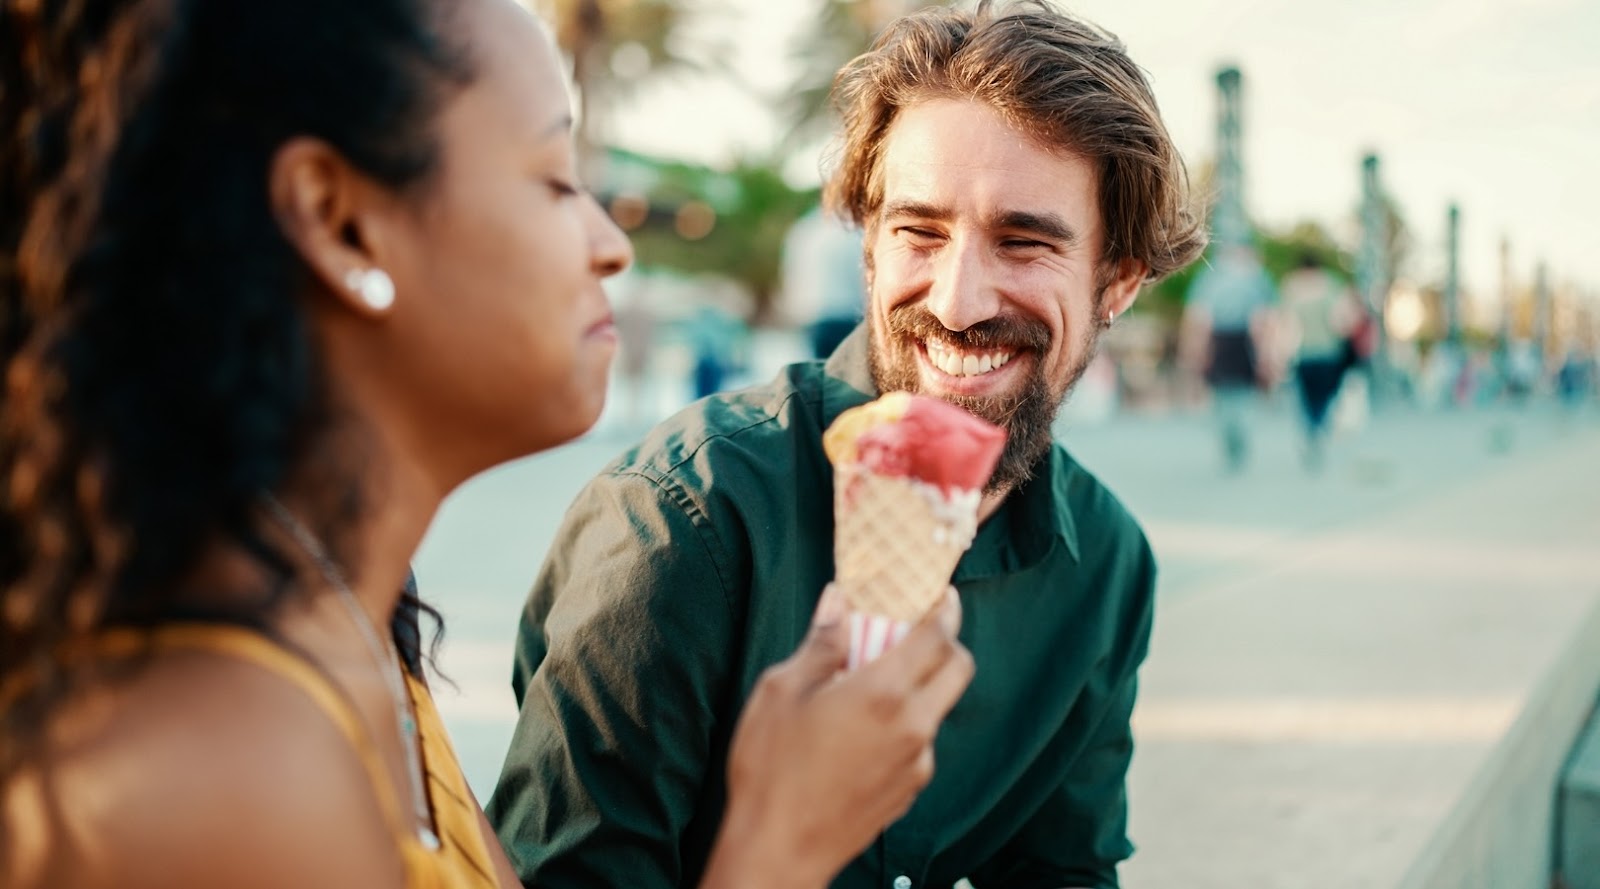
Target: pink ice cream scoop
(934, 441)
(915, 436)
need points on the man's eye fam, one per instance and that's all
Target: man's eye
(920, 235)
(1021, 244)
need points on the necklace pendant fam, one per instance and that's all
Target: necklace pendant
(428, 838)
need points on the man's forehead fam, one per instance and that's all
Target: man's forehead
(963, 155)
(957, 127)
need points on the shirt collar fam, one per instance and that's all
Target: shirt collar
(848, 377)
(1021, 532)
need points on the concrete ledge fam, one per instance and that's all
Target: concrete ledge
(1500, 833)
(1578, 814)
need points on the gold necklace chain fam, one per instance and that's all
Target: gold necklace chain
(383, 653)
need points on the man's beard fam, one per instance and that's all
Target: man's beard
(1027, 414)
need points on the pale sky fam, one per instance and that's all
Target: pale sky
(1494, 104)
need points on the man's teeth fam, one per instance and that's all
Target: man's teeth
(965, 364)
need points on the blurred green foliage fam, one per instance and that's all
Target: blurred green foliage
(754, 208)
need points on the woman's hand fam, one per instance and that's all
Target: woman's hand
(824, 760)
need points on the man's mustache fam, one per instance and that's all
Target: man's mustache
(1005, 332)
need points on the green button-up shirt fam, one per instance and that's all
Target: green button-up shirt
(695, 561)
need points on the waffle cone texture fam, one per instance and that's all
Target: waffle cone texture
(897, 541)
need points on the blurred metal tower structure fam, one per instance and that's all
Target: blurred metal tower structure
(1452, 277)
(1372, 275)
(1508, 324)
(1229, 226)
(1543, 312)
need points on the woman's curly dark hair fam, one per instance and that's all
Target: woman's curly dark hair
(159, 373)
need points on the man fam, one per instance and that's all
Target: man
(1016, 187)
(822, 283)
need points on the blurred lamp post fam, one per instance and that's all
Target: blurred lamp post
(1542, 333)
(1229, 226)
(1372, 278)
(1452, 277)
(1507, 309)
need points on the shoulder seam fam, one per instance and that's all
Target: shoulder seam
(675, 494)
(692, 510)
(770, 416)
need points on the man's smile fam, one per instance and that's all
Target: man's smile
(949, 370)
(962, 363)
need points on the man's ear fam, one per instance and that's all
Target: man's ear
(322, 205)
(1123, 288)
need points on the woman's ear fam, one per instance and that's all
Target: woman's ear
(322, 205)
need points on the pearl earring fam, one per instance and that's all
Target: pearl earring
(374, 286)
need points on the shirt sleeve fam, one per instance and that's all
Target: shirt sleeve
(1080, 834)
(622, 655)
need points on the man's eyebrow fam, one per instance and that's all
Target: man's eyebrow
(1043, 223)
(918, 209)
(1048, 224)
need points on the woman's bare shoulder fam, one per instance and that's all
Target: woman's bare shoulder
(202, 770)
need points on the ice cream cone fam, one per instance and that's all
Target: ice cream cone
(908, 474)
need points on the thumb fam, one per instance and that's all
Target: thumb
(831, 606)
(822, 655)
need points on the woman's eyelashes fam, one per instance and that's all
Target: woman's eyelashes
(564, 188)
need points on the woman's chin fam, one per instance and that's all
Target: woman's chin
(576, 423)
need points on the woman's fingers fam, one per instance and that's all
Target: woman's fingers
(926, 648)
(821, 655)
(831, 607)
(948, 612)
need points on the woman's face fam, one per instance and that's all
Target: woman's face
(501, 337)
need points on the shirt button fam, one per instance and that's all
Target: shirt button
(902, 882)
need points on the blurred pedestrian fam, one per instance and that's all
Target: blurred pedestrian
(716, 337)
(823, 287)
(1576, 378)
(638, 326)
(1321, 315)
(1521, 371)
(1230, 302)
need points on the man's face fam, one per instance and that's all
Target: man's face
(986, 286)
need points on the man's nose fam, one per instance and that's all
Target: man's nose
(962, 292)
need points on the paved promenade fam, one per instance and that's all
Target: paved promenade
(1337, 657)
(1382, 700)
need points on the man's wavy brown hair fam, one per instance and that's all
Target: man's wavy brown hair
(1067, 83)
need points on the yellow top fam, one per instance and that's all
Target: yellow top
(462, 860)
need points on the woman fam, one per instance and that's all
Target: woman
(1321, 313)
(275, 278)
